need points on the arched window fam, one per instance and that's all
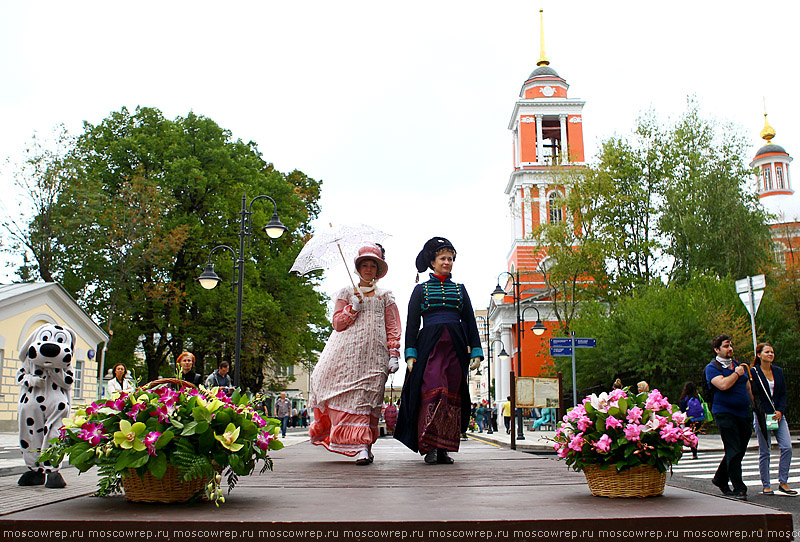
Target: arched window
(767, 178)
(779, 177)
(554, 207)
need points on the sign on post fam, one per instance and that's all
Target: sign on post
(560, 351)
(565, 346)
(751, 290)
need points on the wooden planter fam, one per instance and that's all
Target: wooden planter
(639, 481)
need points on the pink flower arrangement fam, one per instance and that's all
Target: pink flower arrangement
(622, 429)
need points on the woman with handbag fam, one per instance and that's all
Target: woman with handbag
(693, 408)
(769, 392)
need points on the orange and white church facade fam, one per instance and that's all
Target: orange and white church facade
(547, 133)
(776, 193)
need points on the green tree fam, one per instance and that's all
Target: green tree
(710, 221)
(150, 198)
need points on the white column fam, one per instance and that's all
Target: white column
(564, 145)
(542, 203)
(539, 142)
(516, 148)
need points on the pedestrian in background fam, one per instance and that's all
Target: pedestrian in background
(731, 409)
(769, 393)
(283, 409)
(187, 373)
(691, 405)
(507, 414)
(220, 377)
(120, 382)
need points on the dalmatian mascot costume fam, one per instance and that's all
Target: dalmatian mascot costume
(45, 379)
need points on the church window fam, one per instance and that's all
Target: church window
(779, 177)
(554, 207)
(779, 252)
(767, 178)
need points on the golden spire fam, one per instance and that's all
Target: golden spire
(768, 132)
(542, 59)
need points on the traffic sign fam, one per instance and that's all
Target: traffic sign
(745, 297)
(560, 351)
(579, 343)
(759, 283)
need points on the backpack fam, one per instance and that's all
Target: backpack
(708, 388)
(694, 409)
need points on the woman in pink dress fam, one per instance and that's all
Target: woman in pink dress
(347, 384)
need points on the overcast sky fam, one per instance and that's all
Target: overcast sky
(401, 108)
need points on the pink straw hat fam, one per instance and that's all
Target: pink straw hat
(375, 253)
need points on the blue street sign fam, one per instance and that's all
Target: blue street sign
(560, 350)
(585, 343)
(560, 342)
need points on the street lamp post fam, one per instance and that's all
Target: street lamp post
(538, 328)
(502, 356)
(488, 363)
(209, 279)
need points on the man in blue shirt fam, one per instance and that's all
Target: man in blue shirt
(731, 409)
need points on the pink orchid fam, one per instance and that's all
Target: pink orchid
(577, 443)
(150, 442)
(689, 437)
(612, 422)
(632, 432)
(576, 413)
(670, 433)
(634, 414)
(656, 401)
(584, 423)
(604, 444)
(135, 409)
(162, 413)
(92, 433)
(616, 395)
(119, 404)
(92, 409)
(679, 417)
(258, 420)
(263, 440)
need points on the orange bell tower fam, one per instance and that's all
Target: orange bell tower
(547, 136)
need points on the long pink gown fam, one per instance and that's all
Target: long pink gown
(348, 382)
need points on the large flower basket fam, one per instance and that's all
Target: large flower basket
(168, 441)
(624, 442)
(640, 481)
(171, 488)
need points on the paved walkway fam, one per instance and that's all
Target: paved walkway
(491, 492)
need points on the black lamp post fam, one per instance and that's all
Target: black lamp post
(502, 356)
(488, 363)
(209, 279)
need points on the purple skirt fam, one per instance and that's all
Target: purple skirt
(439, 420)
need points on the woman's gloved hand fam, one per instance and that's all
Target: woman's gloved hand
(410, 362)
(394, 364)
(474, 363)
(355, 302)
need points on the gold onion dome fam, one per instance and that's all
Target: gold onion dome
(768, 132)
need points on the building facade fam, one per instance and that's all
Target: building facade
(547, 143)
(23, 308)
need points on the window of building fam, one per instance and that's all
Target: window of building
(554, 207)
(77, 386)
(779, 251)
(287, 371)
(779, 177)
(767, 178)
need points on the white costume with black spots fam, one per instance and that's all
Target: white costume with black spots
(45, 379)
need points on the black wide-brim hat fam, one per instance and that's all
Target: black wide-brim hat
(428, 252)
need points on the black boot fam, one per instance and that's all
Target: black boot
(31, 478)
(443, 459)
(55, 480)
(430, 457)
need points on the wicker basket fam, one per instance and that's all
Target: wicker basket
(171, 488)
(639, 481)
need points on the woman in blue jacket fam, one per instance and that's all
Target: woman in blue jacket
(435, 402)
(769, 392)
